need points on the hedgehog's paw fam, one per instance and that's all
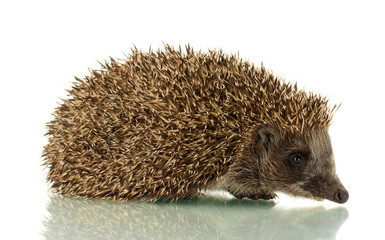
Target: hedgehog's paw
(264, 196)
(238, 195)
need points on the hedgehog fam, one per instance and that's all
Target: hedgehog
(174, 123)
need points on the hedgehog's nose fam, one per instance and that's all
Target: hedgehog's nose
(341, 195)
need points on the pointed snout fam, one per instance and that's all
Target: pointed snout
(340, 196)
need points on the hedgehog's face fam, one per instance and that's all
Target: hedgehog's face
(303, 165)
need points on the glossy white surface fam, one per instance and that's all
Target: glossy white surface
(333, 47)
(202, 219)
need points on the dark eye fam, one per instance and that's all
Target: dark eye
(297, 159)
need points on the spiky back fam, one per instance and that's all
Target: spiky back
(166, 123)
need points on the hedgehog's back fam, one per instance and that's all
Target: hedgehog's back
(156, 125)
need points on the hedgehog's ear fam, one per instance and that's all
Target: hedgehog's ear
(266, 135)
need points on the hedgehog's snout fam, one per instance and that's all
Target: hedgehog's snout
(341, 195)
(337, 193)
(326, 187)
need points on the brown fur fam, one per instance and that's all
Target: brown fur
(169, 124)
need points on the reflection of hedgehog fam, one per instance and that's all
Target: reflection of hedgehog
(169, 124)
(70, 218)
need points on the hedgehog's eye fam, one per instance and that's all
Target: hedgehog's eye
(297, 159)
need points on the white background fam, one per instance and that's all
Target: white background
(336, 48)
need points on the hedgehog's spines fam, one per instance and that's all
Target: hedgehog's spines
(168, 123)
